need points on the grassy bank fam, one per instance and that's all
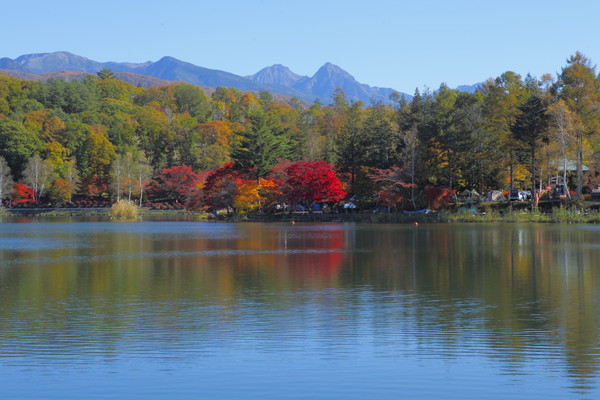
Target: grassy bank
(486, 212)
(556, 215)
(92, 212)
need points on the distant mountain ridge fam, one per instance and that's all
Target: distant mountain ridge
(276, 79)
(469, 88)
(144, 81)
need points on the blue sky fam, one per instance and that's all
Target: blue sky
(398, 44)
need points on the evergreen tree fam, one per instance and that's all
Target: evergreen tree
(261, 145)
(380, 139)
(529, 127)
(6, 181)
(105, 73)
(350, 152)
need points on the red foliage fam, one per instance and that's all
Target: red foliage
(438, 196)
(173, 184)
(389, 198)
(93, 186)
(390, 185)
(23, 193)
(195, 199)
(391, 177)
(312, 181)
(278, 172)
(220, 187)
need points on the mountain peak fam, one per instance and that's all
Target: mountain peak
(331, 70)
(276, 74)
(169, 59)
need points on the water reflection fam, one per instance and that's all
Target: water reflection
(518, 300)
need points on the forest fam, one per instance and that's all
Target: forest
(98, 139)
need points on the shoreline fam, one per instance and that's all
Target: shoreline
(484, 213)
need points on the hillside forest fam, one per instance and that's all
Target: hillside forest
(100, 139)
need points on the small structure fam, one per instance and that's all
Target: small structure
(571, 166)
(469, 196)
(495, 195)
(519, 195)
(558, 182)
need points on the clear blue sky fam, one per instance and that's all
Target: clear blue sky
(399, 44)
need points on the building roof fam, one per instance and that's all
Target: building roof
(571, 166)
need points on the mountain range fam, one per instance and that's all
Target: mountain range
(276, 79)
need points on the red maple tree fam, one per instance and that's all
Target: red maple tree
(312, 182)
(23, 193)
(220, 187)
(389, 185)
(438, 196)
(173, 184)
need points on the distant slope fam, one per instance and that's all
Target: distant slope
(469, 88)
(276, 79)
(64, 61)
(144, 81)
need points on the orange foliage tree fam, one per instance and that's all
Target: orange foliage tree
(252, 195)
(438, 196)
(389, 185)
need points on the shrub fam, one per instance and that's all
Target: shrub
(124, 210)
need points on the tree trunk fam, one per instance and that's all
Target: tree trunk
(412, 177)
(533, 173)
(512, 171)
(579, 165)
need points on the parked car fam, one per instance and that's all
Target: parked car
(519, 195)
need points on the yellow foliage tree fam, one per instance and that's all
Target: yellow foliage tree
(58, 156)
(100, 153)
(252, 195)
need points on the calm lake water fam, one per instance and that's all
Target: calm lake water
(190, 310)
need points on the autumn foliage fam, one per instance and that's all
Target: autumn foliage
(173, 184)
(108, 138)
(311, 182)
(61, 191)
(220, 188)
(438, 197)
(389, 184)
(252, 195)
(23, 193)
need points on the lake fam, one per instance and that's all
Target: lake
(191, 310)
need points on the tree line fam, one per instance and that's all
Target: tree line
(101, 138)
